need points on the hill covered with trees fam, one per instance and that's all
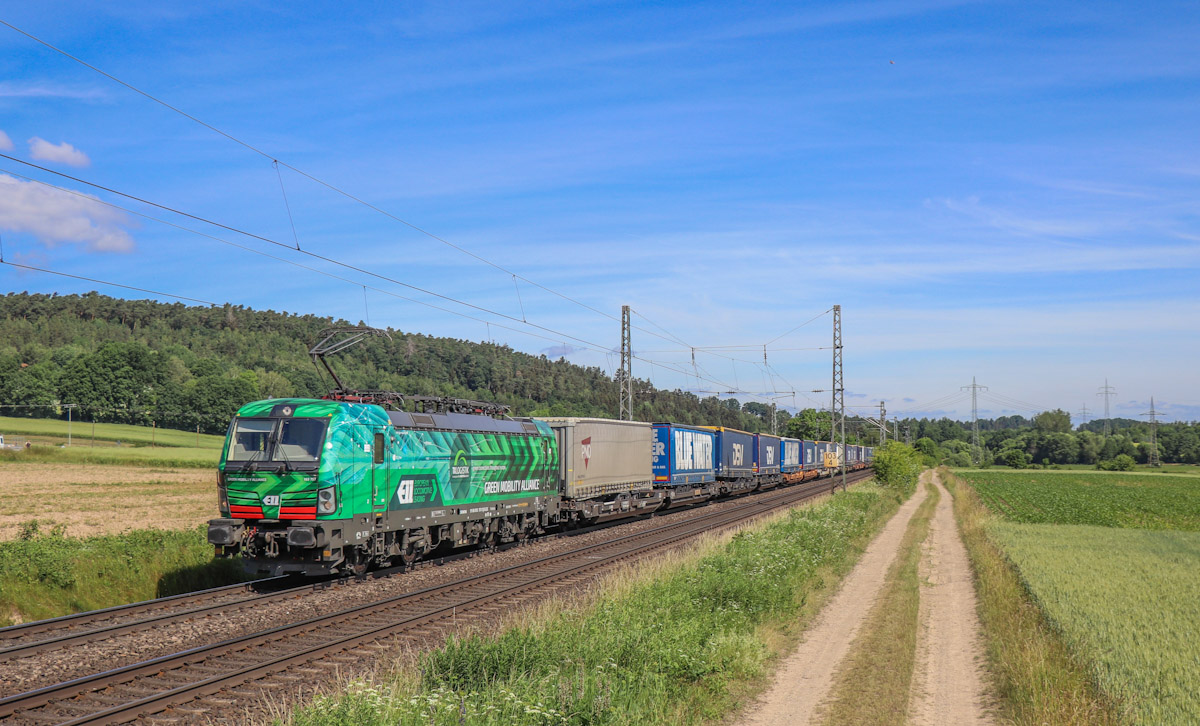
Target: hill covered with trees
(180, 366)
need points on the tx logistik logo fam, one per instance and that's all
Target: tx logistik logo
(461, 467)
(586, 447)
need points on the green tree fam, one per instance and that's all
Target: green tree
(1056, 421)
(810, 424)
(929, 449)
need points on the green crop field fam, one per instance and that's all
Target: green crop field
(82, 433)
(1127, 601)
(1142, 501)
(1113, 562)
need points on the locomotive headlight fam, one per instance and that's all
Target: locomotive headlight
(327, 500)
(222, 501)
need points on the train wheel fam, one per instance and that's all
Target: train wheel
(358, 562)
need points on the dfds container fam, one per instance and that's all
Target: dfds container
(683, 455)
(735, 452)
(602, 456)
(766, 454)
(793, 455)
(811, 460)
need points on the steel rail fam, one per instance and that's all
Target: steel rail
(621, 548)
(15, 632)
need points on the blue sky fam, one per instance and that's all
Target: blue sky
(993, 189)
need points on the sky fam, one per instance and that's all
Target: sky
(998, 191)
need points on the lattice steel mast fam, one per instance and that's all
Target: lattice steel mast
(1153, 433)
(837, 406)
(625, 375)
(1108, 392)
(976, 451)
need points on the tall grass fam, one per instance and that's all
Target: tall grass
(873, 685)
(678, 648)
(1127, 601)
(1038, 679)
(45, 574)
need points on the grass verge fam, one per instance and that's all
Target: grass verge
(873, 685)
(45, 575)
(676, 647)
(1037, 679)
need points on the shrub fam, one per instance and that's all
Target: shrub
(1122, 462)
(1016, 458)
(897, 466)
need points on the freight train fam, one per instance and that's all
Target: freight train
(319, 486)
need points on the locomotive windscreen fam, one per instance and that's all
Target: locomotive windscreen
(287, 440)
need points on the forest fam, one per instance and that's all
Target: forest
(95, 357)
(106, 359)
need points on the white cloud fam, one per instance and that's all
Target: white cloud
(57, 217)
(6, 143)
(63, 153)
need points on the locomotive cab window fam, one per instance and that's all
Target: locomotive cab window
(300, 439)
(295, 440)
(379, 447)
(251, 439)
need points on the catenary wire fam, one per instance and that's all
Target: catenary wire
(276, 162)
(328, 185)
(105, 282)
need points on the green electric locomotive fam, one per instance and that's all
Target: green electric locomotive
(318, 486)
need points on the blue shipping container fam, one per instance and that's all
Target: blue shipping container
(735, 453)
(683, 454)
(810, 456)
(766, 454)
(793, 455)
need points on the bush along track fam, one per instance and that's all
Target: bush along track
(45, 575)
(1037, 679)
(676, 647)
(873, 684)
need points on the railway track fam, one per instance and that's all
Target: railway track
(204, 681)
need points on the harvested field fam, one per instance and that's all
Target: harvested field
(90, 500)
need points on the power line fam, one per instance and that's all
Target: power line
(104, 282)
(268, 255)
(207, 302)
(314, 255)
(558, 335)
(276, 164)
(801, 325)
(332, 187)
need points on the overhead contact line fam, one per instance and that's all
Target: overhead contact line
(276, 163)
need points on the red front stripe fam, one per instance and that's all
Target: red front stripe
(244, 512)
(298, 512)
